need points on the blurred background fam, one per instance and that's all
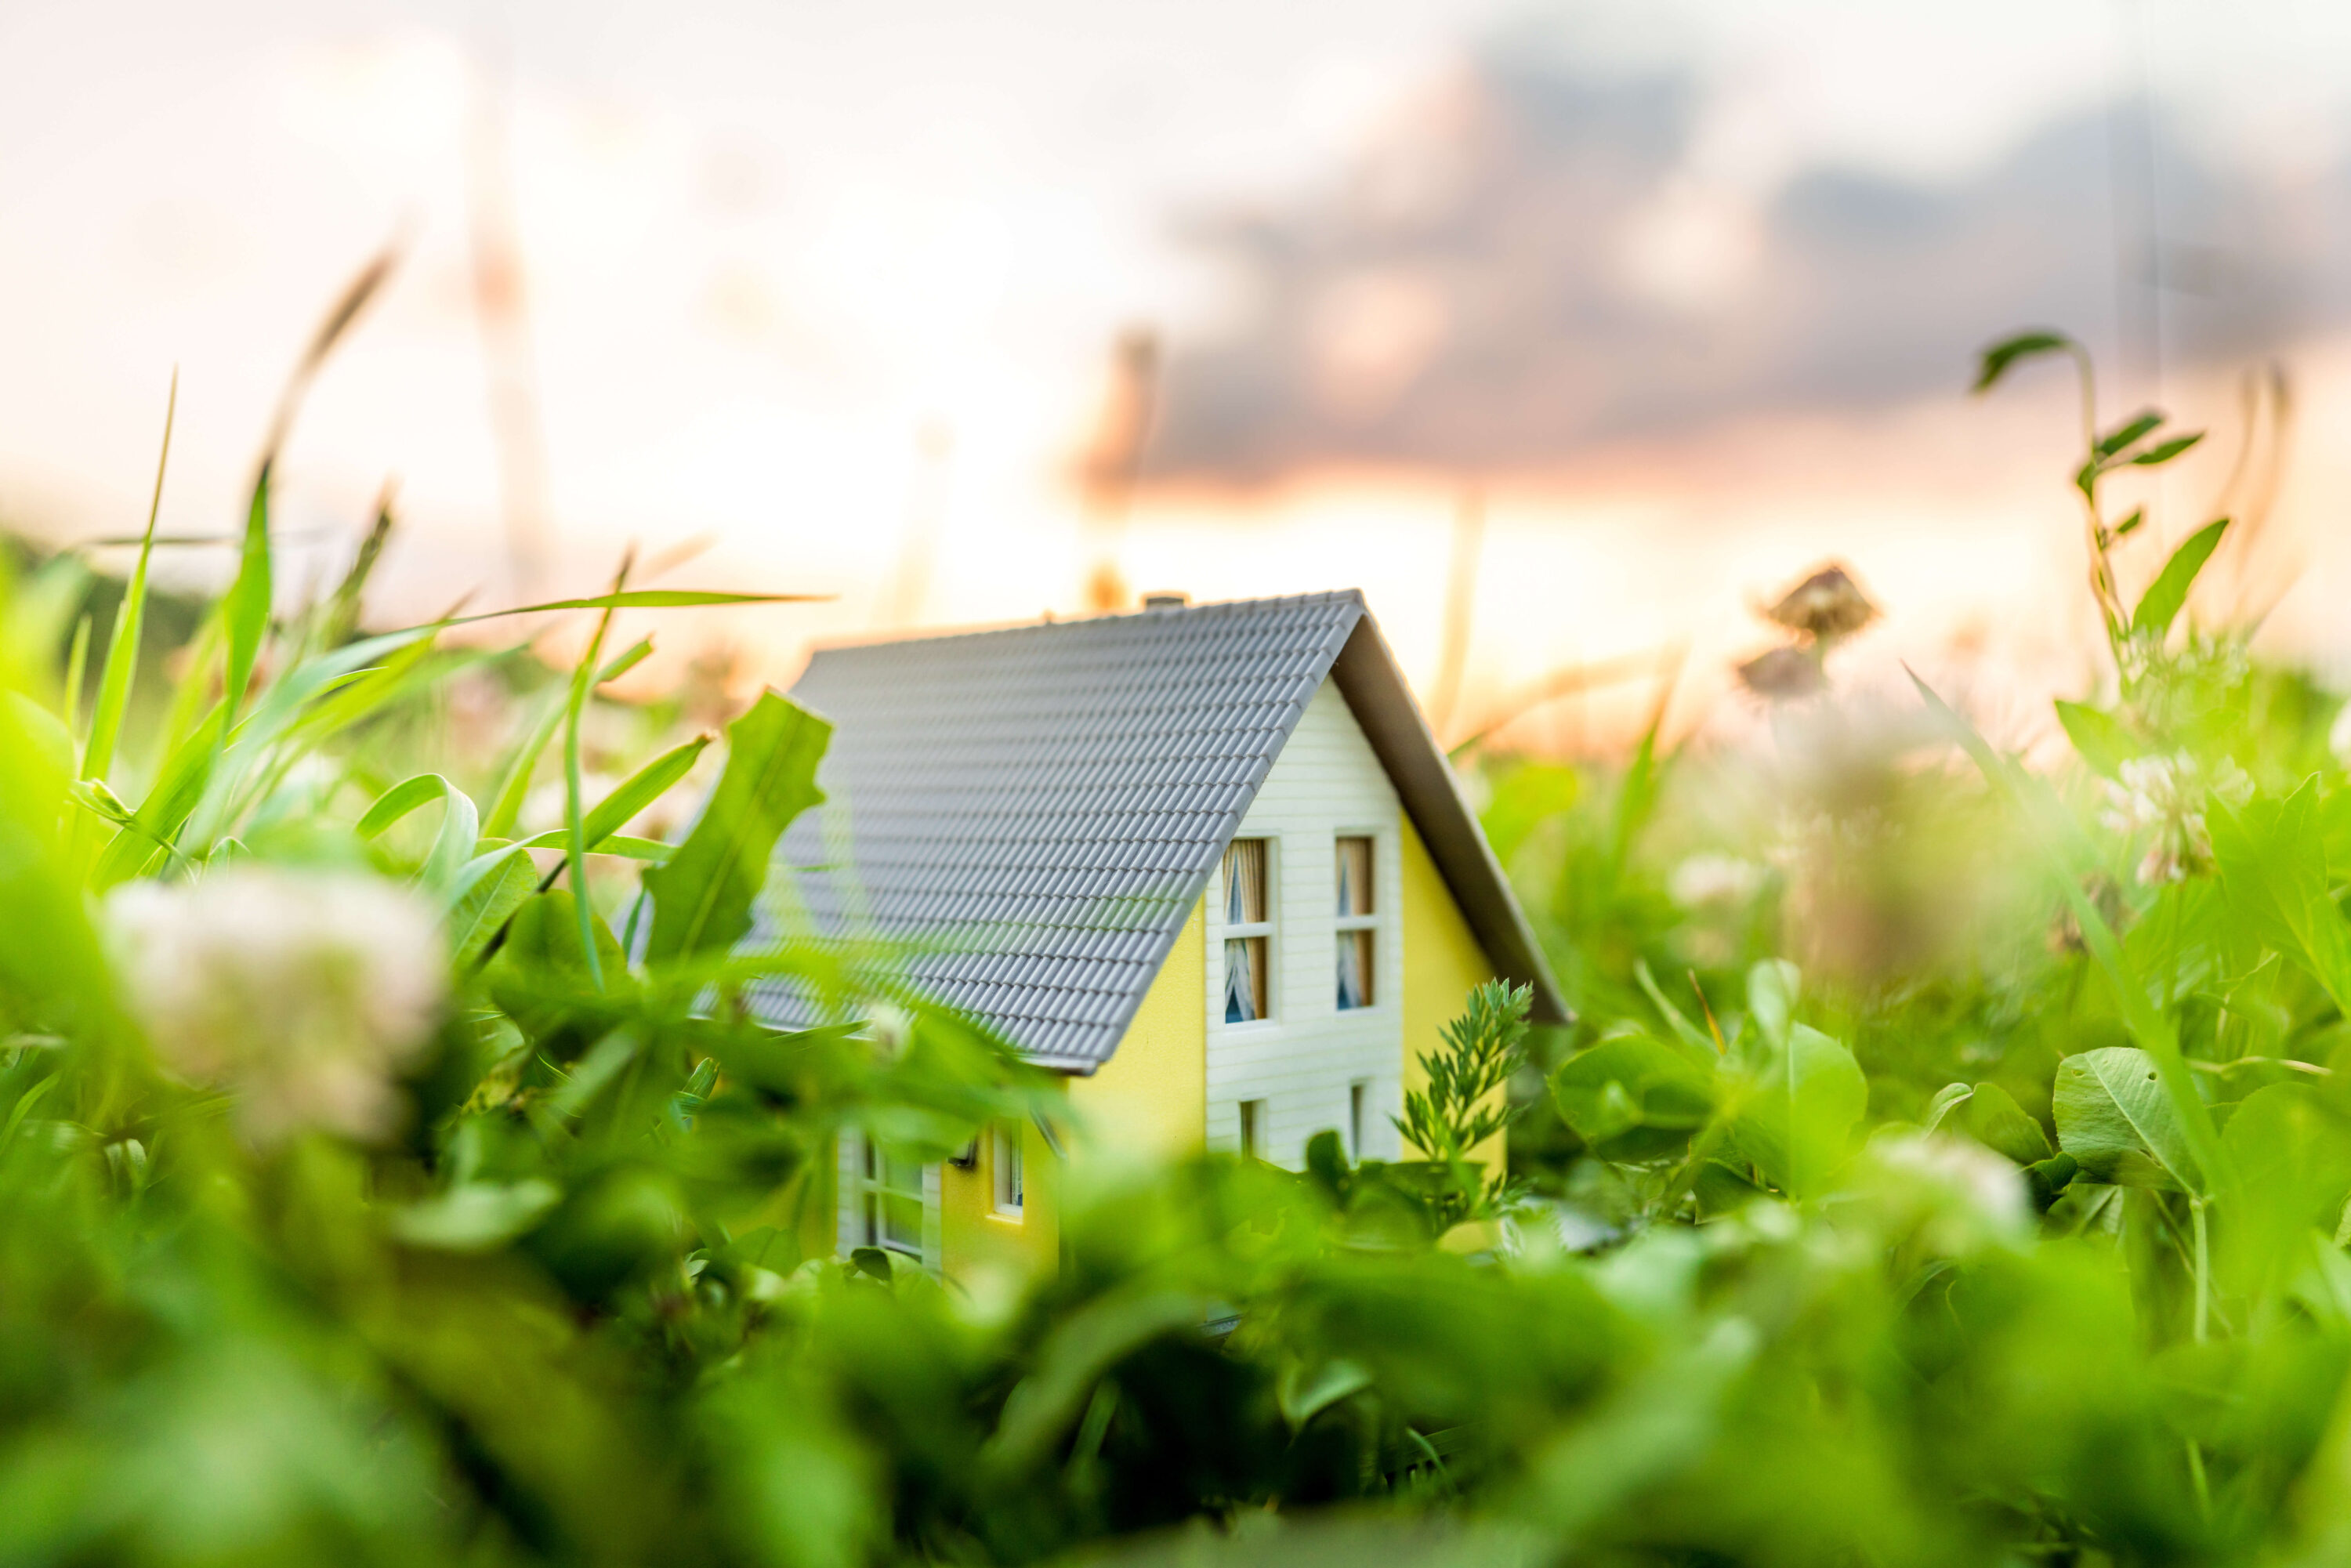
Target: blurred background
(1572, 333)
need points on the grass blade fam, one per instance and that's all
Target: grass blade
(514, 783)
(575, 850)
(77, 670)
(643, 788)
(129, 620)
(643, 599)
(245, 609)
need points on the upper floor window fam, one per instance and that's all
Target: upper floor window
(1248, 931)
(1357, 917)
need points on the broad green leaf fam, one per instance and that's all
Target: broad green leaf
(1772, 987)
(1949, 1095)
(453, 846)
(2045, 1179)
(2271, 859)
(2069, 858)
(702, 898)
(1797, 1126)
(1693, 1041)
(2098, 736)
(475, 1217)
(1633, 1098)
(487, 902)
(2023, 346)
(2292, 1143)
(1075, 1357)
(2115, 1119)
(1991, 1116)
(2162, 601)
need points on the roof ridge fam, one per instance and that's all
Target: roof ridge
(1215, 607)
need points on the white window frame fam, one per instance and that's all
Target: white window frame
(1007, 1174)
(1235, 931)
(1347, 924)
(861, 1190)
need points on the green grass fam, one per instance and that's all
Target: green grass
(1948, 1165)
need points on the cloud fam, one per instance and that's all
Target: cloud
(1533, 262)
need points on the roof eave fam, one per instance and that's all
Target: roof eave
(1367, 675)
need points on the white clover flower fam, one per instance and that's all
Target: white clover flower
(2164, 797)
(1713, 882)
(302, 994)
(1955, 1195)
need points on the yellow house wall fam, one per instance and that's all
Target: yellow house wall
(974, 1239)
(1442, 963)
(1150, 1098)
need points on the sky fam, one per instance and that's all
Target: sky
(1677, 299)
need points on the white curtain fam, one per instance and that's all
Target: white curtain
(1355, 990)
(1240, 983)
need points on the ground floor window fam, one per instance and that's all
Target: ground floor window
(1010, 1196)
(888, 1201)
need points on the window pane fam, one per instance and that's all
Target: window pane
(901, 1176)
(901, 1222)
(1354, 876)
(1007, 1170)
(1245, 881)
(1244, 979)
(1354, 969)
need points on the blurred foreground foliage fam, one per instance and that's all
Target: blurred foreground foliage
(1950, 1166)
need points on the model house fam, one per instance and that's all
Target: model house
(1206, 862)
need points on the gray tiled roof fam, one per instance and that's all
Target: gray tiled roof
(1035, 809)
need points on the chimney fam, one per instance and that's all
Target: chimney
(1166, 601)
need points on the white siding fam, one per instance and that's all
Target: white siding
(1301, 1060)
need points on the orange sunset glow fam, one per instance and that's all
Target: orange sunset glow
(1598, 324)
